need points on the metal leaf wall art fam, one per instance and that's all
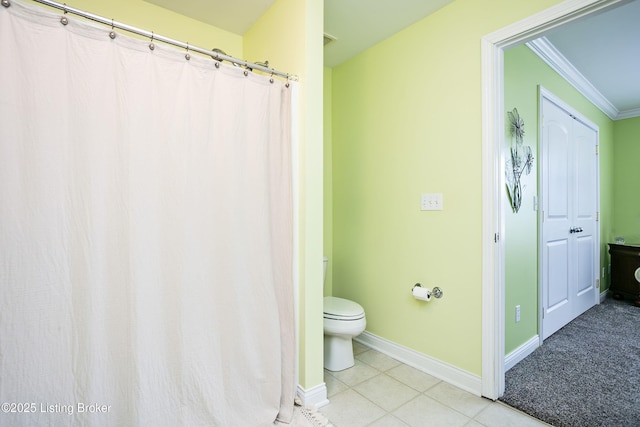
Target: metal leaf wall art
(520, 161)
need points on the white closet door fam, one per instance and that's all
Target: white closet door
(569, 227)
(556, 189)
(585, 206)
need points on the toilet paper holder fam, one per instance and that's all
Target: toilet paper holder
(435, 292)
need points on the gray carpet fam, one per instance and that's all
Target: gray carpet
(586, 374)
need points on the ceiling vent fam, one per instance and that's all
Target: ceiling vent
(328, 39)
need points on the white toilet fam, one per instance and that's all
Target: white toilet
(343, 320)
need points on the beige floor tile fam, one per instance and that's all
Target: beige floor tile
(350, 409)
(458, 399)
(359, 348)
(380, 391)
(500, 415)
(334, 385)
(386, 392)
(423, 411)
(355, 375)
(412, 377)
(378, 360)
(388, 421)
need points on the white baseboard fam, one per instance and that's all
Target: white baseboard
(448, 373)
(603, 295)
(314, 397)
(521, 352)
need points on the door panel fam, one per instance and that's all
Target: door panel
(556, 156)
(558, 163)
(557, 309)
(558, 289)
(584, 250)
(586, 169)
(585, 208)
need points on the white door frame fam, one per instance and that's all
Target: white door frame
(493, 185)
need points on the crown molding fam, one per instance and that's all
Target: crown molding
(627, 114)
(561, 65)
(557, 61)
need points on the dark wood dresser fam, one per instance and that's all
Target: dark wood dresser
(625, 261)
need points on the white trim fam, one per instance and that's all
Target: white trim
(493, 185)
(492, 221)
(315, 397)
(603, 295)
(441, 370)
(536, 25)
(521, 352)
(561, 65)
(627, 114)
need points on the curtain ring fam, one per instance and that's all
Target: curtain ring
(187, 56)
(63, 19)
(271, 79)
(6, 3)
(151, 45)
(112, 33)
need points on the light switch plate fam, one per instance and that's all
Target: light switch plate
(431, 202)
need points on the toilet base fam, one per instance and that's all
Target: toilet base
(338, 353)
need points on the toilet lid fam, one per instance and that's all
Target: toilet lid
(342, 309)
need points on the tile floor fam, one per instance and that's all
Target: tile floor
(383, 392)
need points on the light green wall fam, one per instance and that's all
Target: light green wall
(406, 120)
(328, 182)
(523, 72)
(626, 178)
(521, 247)
(289, 35)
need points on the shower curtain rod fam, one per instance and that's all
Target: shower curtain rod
(156, 37)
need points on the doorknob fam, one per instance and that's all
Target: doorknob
(576, 230)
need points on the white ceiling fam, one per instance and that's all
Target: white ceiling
(604, 49)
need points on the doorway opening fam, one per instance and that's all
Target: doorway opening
(493, 46)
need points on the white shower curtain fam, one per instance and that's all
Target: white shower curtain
(145, 233)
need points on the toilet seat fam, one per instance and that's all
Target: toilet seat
(342, 309)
